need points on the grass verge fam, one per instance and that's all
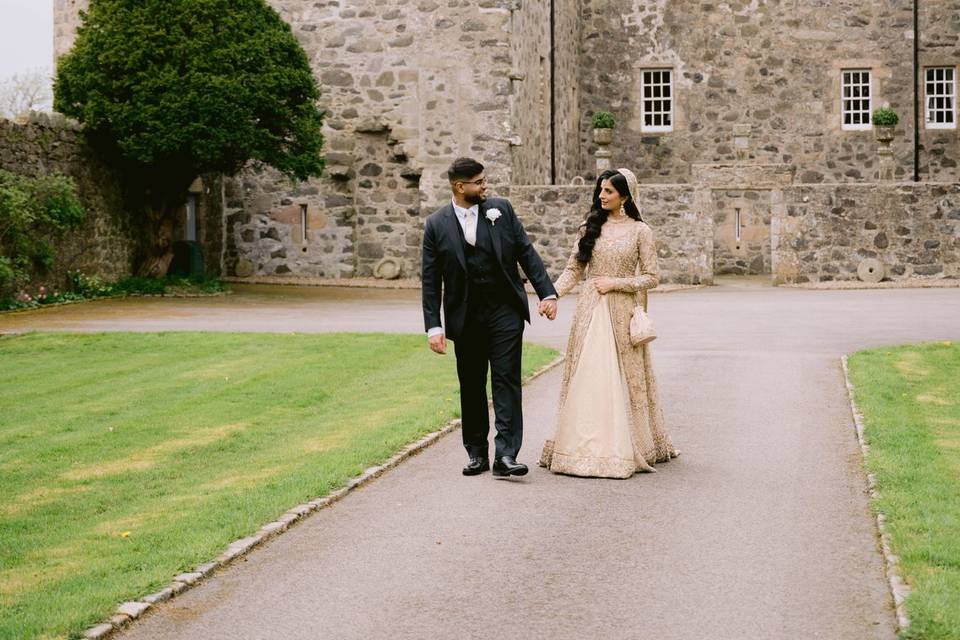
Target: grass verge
(128, 458)
(910, 400)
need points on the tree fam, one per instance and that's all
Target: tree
(23, 92)
(169, 90)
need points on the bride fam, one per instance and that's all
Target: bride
(610, 424)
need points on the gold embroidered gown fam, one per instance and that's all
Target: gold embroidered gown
(609, 423)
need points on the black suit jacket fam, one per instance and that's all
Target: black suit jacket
(444, 266)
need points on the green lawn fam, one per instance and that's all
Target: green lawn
(128, 458)
(910, 400)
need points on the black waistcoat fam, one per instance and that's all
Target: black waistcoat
(485, 279)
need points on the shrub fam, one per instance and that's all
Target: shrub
(33, 211)
(84, 287)
(885, 116)
(603, 120)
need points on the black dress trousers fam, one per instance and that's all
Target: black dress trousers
(493, 335)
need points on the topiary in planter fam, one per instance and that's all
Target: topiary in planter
(885, 117)
(603, 120)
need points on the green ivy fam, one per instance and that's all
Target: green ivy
(34, 211)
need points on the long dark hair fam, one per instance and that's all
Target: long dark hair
(598, 215)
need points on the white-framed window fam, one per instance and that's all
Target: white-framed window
(656, 100)
(856, 99)
(941, 93)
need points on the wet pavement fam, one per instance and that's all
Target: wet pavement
(761, 529)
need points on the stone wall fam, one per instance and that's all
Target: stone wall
(66, 19)
(553, 214)
(940, 46)
(407, 87)
(804, 233)
(104, 244)
(531, 93)
(746, 252)
(825, 231)
(357, 215)
(771, 67)
(742, 200)
(435, 74)
(567, 61)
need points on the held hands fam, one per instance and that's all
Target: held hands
(438, 344)
(604, 284)
(548, 308)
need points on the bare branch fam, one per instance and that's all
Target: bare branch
(27, 91)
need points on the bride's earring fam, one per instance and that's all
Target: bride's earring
(623, 211)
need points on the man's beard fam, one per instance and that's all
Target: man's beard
(475, 198)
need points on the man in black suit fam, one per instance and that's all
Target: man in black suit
(471, 248)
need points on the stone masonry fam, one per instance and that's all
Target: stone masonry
(823, 232)
(814, 233)
(552, 216)
(409, 85)
(773, 67)
(107, 242)
(104, 245)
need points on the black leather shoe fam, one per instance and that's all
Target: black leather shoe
(507, 466)
(476, 467)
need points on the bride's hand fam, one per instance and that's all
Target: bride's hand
(604, 284)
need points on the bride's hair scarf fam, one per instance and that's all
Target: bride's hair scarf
(598, 215)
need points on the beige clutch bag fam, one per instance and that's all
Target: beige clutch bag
(642, 330)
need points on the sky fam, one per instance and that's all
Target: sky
(26, 36)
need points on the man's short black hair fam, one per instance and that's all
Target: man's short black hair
(464, 169)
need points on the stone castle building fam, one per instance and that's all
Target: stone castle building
(747, 121)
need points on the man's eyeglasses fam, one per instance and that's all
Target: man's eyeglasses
(479, 183)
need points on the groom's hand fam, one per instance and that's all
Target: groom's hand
(438, 344)
(548, 308)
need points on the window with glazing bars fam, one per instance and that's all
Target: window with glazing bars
(856, 99)
(941, 92)
(657, 100)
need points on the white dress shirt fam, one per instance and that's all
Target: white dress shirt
(468, 221)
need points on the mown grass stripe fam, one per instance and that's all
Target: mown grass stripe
(187, 441)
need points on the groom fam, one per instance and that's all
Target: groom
(471, 248)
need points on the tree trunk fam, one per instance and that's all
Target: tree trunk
(158, 241)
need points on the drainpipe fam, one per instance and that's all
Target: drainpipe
(553, 93)
(916, 91)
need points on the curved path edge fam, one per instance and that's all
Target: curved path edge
(899, 589)
(132, 610)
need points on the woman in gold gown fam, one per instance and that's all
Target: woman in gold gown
(610, 423)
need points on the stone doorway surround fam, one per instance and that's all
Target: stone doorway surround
(756, 192)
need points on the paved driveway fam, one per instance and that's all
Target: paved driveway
(760, 529)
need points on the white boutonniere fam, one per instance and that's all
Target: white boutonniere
(493, 215)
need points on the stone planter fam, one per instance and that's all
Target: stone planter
(884, 133)
(602, 137)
